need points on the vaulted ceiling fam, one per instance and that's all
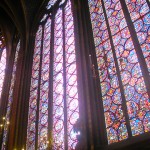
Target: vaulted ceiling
(20, 14)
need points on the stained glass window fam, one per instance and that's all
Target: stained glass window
(124, 92)
(10, 98)
(53, 102)
(51, 3)
(2, 61)
(34, 91)
(2, 69)
(2, 41)
(140, 15)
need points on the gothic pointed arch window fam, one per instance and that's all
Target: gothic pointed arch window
(53, 102)
(122, 45)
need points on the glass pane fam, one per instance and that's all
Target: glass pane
(44, 88)
(71, 77)
(140, 15)
(51, 3)
(111, 96)
(10, 98)
(130, 70)
(135, 92)
(58, 81)
(31, 130)
(2, 69)
(64, 85)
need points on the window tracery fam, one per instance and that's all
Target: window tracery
(2, 69)
(125, 94)
(53, 102)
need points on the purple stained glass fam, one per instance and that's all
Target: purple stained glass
(51, 3)
(2, 69)
(31, 131)
(10, 98)
(129, 68)
(63, 67)
(44, 88)
(140, 15)
(112, 101)
(71, 77)
(130, 71)
(58, 81)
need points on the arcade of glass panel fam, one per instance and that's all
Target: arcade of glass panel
(53, 87)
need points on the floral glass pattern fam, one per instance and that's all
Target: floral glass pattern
(115, 49)
(140, 15)
(54, 84)
(34, 92)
